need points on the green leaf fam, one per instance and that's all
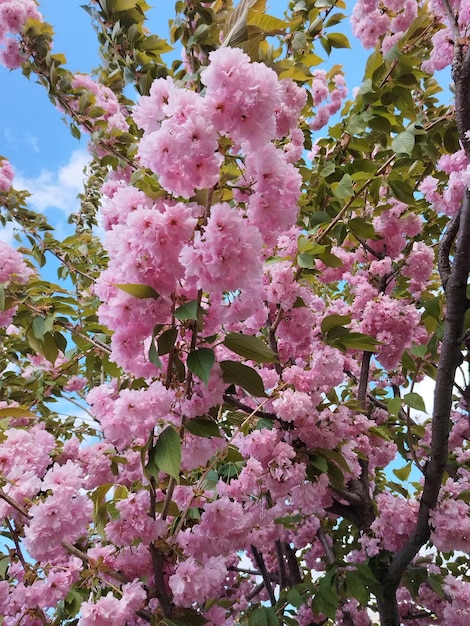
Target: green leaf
(294, 598)
(335, 475)
(172, 509)
(307, 245)
(383, 431)
(337, 457)
(267, 23)
(305, 261)
(326, 598)
(362, 228)
(263, 616)
(153, 354)
(330, 321)
(4, 564)
(356, 588)
(344, 189)
(202, 427)
(75, 131)
(138, 291)
(200, 362)
(187, 311)
(394, 406)
(415, 401)
(419, 351)
(39, 327)
(402, 191)
(359, 341)
(338, 40)
(49, 348)
(464, 495)
(2, 298)
(110, 367)
(17, 411)
(327, 170)
(166, 454)
(243, 376)
(404, 143)
(60, 341)
(166, 341)
(319, 462)
(330, 259)
(124, 5)
(433, 308)
(403, 473)
(250, 347)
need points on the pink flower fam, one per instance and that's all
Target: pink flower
(103, 98)
(241, 97)
(419, 267)
(395, 522)
(194, 582)
(369, 25)
(225, 255)
(395, 324)
(183, 152)
(12, 266)
(59, 517)
(6, 175)
(63, 478)
(134, 522)
(275, 186)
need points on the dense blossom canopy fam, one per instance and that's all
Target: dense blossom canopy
(247, 333)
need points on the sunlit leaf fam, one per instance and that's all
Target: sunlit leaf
(138, 291)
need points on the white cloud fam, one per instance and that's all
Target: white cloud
(17, 140)
(58, 189)
(425, 388)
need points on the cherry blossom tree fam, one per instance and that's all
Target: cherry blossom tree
(242, 348)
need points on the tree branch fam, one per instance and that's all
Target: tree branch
(450, 359)
(443, 255)
(264, 573)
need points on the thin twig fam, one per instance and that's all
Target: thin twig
(329, 554)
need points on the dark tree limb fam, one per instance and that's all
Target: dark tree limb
(454, 278)
(161, 590)
(443, 257)
(450, 358)
(281, 566)
(264, 573)
(235, 402)
(329, 553)
(295, 577)
(359, 510)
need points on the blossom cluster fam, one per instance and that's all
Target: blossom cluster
(13, 17)
(442, 52)
(456, 166)
(13, 271)
(180, 247)
(327, 101)
(97, 103)
(6, 175)
(372, 19)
